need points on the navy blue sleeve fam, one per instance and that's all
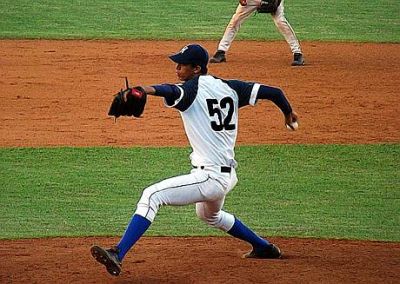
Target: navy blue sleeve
(179, 96)
(275, 95)
(246, 96)
(243, 89)
(170, 92)
(189, 94)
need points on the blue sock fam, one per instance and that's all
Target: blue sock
(136, 228)
(240, 231)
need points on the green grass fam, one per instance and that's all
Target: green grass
(324, 191)
(365, 21)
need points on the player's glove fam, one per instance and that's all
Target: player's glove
(268, 6)
(128, 102)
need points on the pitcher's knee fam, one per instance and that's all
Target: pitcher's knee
(212, 220)
(221, 220)
(149, 203)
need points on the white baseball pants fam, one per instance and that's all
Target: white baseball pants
(206, 188)
(243, 12)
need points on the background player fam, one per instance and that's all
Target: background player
(209, 110)
(243, 11)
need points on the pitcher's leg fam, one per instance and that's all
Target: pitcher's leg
(261, 247)
(181, 190)
(135, 230)
(210, 212)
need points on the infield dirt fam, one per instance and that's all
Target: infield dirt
(57, 93)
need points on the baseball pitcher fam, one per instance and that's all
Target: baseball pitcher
(209, 109)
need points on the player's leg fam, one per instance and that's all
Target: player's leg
(181, 190)
(211, 212)
(261, 248)
(241, 14)
(288, 33)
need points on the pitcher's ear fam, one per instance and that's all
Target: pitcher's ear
(197, 69)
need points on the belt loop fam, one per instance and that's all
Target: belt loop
(223, 169)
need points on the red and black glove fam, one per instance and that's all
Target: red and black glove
(128, 102)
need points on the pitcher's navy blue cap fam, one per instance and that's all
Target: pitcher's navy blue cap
(191, 54)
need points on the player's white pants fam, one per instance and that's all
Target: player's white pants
(243, 12)
(206, 188)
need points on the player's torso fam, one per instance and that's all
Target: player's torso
(211, 123)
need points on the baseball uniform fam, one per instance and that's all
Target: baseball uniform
(209, 108)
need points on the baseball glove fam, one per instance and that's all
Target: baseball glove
(268, 6)
(128, 102)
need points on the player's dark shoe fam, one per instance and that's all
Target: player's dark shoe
(218, 57)
(107, 257)
(298, 59)
(270, 252)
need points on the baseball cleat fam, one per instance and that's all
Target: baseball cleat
(270, 252)
(298, 59)
(218, 57)
(109, 258)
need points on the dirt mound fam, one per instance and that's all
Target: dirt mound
(200, 260)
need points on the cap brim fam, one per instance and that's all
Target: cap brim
(179, 58)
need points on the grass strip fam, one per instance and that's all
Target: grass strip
(324, 191)
(361, 21)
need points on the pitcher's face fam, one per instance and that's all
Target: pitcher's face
(185, 72)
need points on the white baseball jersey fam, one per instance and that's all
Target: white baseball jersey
(209, 109)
